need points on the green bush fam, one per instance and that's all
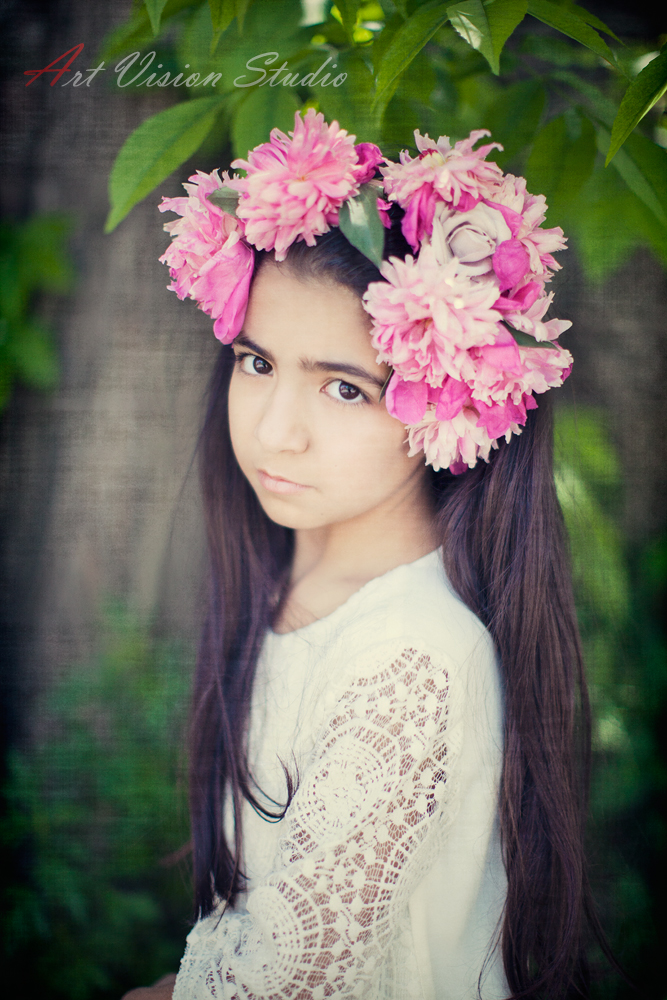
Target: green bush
(95, 808)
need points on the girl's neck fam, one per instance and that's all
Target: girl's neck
(331, 563)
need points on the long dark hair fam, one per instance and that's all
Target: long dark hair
(505, 553)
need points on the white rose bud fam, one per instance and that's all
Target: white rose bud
(473, 237)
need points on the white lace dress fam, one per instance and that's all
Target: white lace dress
(384, 879)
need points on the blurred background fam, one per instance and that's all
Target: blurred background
(102, 376)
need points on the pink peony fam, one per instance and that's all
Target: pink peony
(426, 316)
(207, 258)
(369, 156)
(459, 176)
(294, 186)
(525, 213)
(528, 317)
(454, 444)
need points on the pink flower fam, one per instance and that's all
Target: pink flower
(473, 237)
(528, 319)
(207, 258)
(369, 156)
(458, 176)
(454, 444)
(525, 213)
(426, 316)
(294, 186)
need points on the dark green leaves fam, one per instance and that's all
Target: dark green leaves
(408, 41)
(155, 8)
(155, 149)
(561, 161)
(487, 26)
(569, 21)
(33, 257)
(643, 167)
(645, 91)
(360, 222)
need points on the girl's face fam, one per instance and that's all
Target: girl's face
(307, 425)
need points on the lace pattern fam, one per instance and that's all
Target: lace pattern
(359, 835)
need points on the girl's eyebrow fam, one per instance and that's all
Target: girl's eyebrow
(308, 365)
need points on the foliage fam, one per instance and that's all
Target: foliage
(529, 70)
(618, 594)
(33, 259)
(93, 809)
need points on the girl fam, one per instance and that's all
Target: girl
(390, 724)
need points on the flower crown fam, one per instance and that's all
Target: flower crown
(461, 323)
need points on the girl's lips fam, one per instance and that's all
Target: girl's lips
(276, 485)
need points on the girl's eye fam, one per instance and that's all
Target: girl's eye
(344, 392)
(253, 364)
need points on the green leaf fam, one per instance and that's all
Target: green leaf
(408, 41)
(32, 350)
(43, 258)
(226, 199)
(525, 339)
(470, 21)
(352, 102)
(503, 17)
(137, 31)
(223, 13)
(487, 26)
(591, 19)
(644, 172)
(514, 116)
(262, 110)
(360, 223)
(155, 149)
(568, 21)
(645, 91)
(348, 13)
(560, 163)
(241, 11)
(155, 8)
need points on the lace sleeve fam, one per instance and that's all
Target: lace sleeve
(360, 834)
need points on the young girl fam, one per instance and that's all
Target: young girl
(387, 758)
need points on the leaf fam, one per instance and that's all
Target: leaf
(503, 17)
(262, 110)
(514, 116)
(155, 149)
(241, 11)
(223, 13)
(559, 165)
(137, 31)
(525, 339)
(644, 91)
(645, 175)
(226, 199)
(155, 8)
(360, 223)
(410, 39)
(352, 102)
(348, 13)
(591, 19)
(470, 21)
(568, 21)
(33, 352)
(487, 26)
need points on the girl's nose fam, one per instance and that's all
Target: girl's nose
(283, 423)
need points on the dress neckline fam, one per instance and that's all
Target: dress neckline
(352, 599)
